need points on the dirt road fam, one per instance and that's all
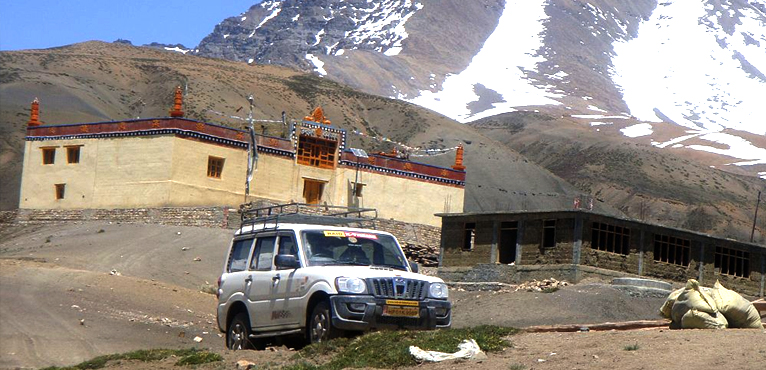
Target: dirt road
(71, 292)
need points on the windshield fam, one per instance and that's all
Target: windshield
(337, 247)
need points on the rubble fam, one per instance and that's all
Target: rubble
(540, 286)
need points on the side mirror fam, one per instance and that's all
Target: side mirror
(414, 267)
(286, 261)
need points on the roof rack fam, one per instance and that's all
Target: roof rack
(304, 213)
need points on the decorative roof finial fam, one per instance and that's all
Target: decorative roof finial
(317, 116)
(34, 117)
(177, 103)
(459, 159)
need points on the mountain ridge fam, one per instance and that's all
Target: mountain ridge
(471, 60)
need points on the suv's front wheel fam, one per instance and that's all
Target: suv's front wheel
(238, 333)
(320, 325)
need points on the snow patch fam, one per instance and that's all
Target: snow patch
(177, 49)
(318, 64)
(498, 67)
(641, 129)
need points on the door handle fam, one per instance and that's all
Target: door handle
(276, 278)
(249, 279)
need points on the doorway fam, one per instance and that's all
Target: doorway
(507, 246)
(312, 191)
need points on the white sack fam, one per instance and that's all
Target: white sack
(468, 349)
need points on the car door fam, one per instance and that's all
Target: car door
(288, 287)
(236, 272)
(259, 282)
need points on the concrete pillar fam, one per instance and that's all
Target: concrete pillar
(577, 242)
(641, 253)
(493, 249)
(519, 238)
(702, 261)
(763, 272)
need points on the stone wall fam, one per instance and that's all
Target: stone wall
(420, 242)
(8, 217)
(508, 274)
(179, 216)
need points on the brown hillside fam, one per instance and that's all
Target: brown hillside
(97, 81)
(644, 182)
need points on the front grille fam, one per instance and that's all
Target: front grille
(399, 288)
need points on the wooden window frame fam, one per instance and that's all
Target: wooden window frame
(610, 238)
(73, 154)
(49, 155)
(316, 152)
(60, 191)
(215, 167)
(732, 262)
(672, 250)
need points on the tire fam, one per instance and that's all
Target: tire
(238, 333)
(320, 327)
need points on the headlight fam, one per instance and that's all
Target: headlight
(438, 290)
(350, 285)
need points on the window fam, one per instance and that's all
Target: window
(469, 236)
(312, 191)
(73, 154)
(610, 238)
(358, 189)
(49, 155)
(549, 234)
(214, 167)
(238, 255)
(732, 262)
(263, 256)
(60, 188)
(287, 245)
(316, 152)
(671, 250)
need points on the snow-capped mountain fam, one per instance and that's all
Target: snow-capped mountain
(697, 64)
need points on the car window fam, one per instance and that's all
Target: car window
(263, 256)
(287, 245)
(334, 247)
(238, 256)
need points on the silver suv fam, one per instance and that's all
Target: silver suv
(321, 282)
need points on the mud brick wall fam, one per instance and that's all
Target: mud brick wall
(453, 235)
(532, 251)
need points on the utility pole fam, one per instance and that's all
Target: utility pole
(755, 218)
(252, 150)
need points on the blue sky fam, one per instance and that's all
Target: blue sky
(41, 24)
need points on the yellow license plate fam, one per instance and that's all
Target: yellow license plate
(400, 311)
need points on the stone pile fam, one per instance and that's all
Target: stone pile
(539, 286)
(424, 255)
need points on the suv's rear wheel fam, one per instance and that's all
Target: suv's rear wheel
(238, 333)
(320, 326)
